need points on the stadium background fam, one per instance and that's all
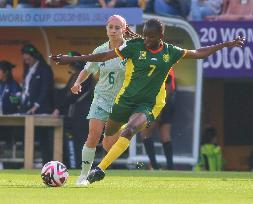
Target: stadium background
(227, 76)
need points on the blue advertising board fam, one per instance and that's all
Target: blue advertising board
(67, 17)
(228, 62)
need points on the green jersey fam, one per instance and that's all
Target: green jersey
(111, 77)
(146, 73)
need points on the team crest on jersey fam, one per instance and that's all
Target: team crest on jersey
(143, 55)
(166, 57)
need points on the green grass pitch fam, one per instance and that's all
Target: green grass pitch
(126, 187)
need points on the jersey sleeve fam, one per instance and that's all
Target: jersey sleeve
(125, 51)
(92, 67)
(177, 53)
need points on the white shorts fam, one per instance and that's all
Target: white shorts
(96, 112)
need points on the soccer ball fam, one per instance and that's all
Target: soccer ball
(54, 173)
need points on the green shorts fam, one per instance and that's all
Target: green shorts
(123, 113)
(96, 112)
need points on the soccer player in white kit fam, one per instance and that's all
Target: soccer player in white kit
(111, 77)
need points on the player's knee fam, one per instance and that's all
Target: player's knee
(165, 138)
(129, 131)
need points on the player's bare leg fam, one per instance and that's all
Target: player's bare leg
(108, 142)
(136, 123)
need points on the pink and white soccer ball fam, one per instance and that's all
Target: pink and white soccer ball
(54, 173)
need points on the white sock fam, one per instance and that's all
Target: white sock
(88, 155)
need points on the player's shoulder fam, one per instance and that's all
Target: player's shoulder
(102, 47)
(171, 46)
(168, 45)
(135, 41)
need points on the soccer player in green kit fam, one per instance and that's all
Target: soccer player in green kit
(110, 79)
(142, 96)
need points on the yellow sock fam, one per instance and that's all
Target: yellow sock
(117, 149)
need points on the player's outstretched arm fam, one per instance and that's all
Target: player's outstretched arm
(77, 87)
(204, 52)
(99, 57)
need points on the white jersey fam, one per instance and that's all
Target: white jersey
(111, 77)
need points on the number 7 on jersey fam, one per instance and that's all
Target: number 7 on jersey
(152, 67)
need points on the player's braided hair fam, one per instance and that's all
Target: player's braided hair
(129, 34)
(155, 23)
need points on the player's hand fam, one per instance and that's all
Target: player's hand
(60, 59)
(237, 42)
(76, 88)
